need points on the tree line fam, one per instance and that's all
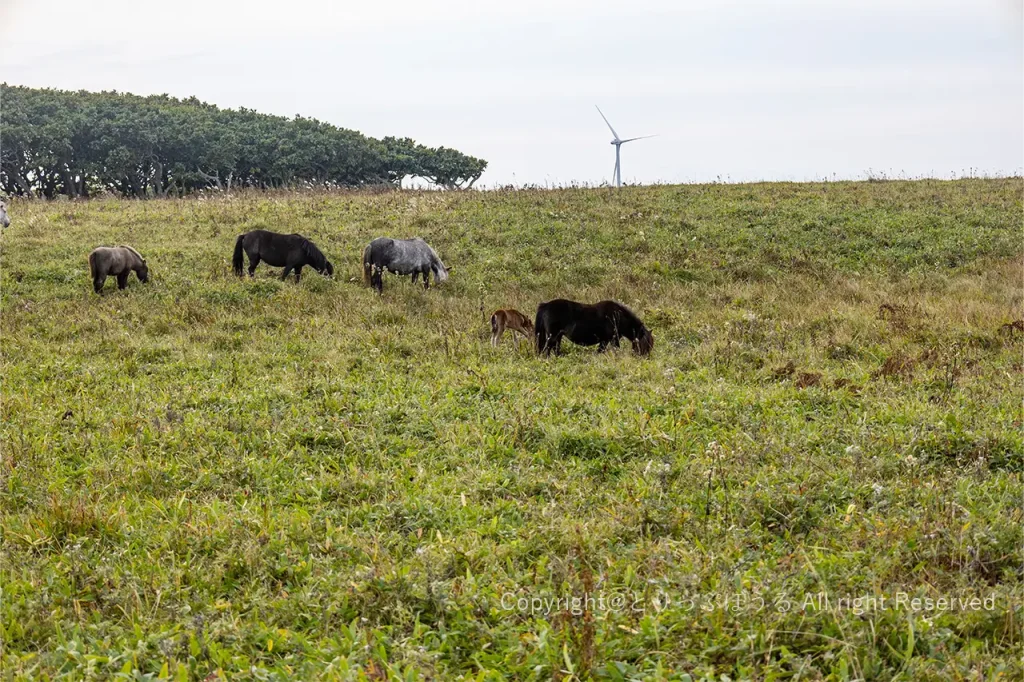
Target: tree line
(77, 144)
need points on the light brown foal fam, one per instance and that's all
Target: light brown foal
(512, 320)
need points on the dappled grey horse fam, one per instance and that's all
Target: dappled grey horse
(118, 261)
(402, 257)
(4, 220)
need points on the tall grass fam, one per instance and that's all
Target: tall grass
(207, 476)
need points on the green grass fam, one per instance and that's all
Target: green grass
(263, 480)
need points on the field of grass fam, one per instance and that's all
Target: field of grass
(206, 477)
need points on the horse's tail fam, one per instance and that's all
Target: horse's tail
(236, 260)
(494, 323)
(366, 266)
(92, 264)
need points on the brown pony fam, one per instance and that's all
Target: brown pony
(118, 261)
(510, 319)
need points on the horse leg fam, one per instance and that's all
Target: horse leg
(287, 271)
(298, 273)
(122, 280)
(253, 262)
(540, 336)
(98, 282)
(552, 344)
(377, 279)
(414, 276)
(426, 279)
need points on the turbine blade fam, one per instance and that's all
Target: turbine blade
(642, 137)
(614, 134)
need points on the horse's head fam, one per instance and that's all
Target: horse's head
(644, 343)
(439, 269)
(143, 271)
(328, 269)
(4, 219)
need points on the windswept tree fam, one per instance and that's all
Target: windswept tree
(443, 167)
(78, 143)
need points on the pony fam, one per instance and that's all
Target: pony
(4, 220)
(402, 257)
(602, 323)
(119, 261)
(293, 251)
(513, 320)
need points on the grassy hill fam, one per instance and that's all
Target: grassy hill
(281, 481)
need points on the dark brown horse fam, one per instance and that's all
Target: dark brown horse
(290, 251)
(118, 261)
(601, 324)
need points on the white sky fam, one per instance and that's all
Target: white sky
(741, 90)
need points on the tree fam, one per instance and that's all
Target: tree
(74, 143)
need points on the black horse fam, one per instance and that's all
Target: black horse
(292, 251)
(602, 323)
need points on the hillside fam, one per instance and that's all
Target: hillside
(279, 480)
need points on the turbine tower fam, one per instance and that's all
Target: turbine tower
(618, 143)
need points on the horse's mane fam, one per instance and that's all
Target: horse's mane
(125, 246)
(433, 255)
(643, 340)
(315, 255)
(627, 314)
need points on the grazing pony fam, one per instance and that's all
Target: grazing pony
(602, 323)
(402, 257)
(118, 261)
(292, 251)
(513, 320)
(4, 220)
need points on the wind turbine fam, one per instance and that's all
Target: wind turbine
(618, 143)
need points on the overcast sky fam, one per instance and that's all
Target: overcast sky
(737, 90)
